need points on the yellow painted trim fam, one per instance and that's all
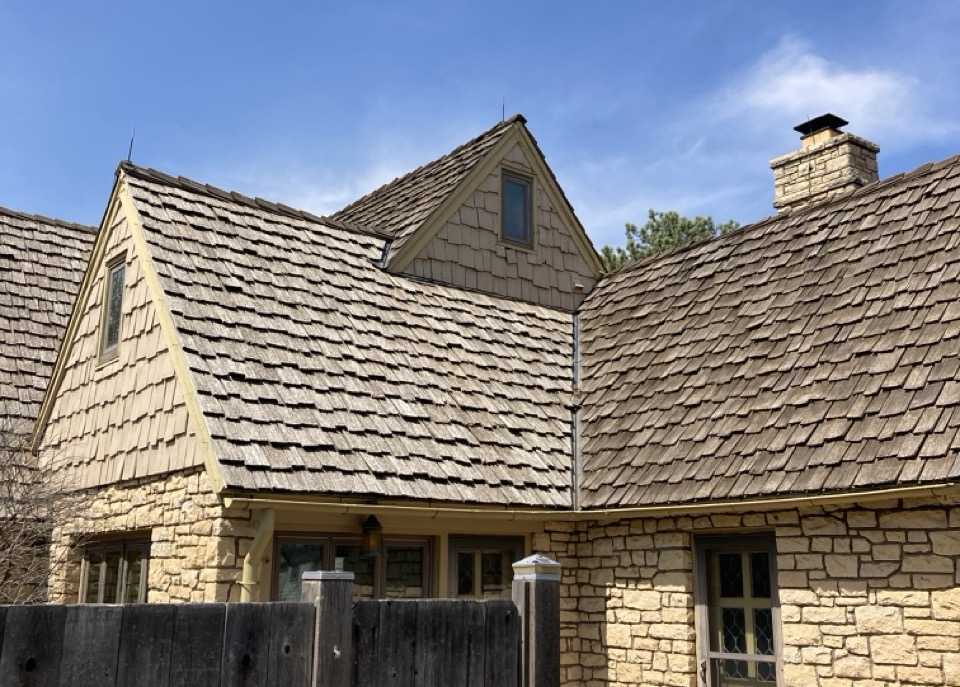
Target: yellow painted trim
(560, 205)
(517, 135)
(172, 337)
(94, 263)
(546, 515)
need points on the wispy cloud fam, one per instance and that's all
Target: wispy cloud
(793, 82)
(710, 156)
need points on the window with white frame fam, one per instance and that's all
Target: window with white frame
(738, 614)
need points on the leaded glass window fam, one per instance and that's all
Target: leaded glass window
(112, 309)
(740, 610)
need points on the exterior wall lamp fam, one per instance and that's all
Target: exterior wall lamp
(371, 537)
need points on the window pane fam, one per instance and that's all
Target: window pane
(405, 572)
(760, 574)
(92, 591)
(497, 574)
(465, 581)
(296, 559)
(134, 573)
(734, 641)
(516, 198)
(111, 579)
(115, 295)
(731, 575)
(348, 559)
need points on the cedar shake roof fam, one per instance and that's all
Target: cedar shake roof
(401, 206)
(42, 262)
(816, 351)
(319, 372)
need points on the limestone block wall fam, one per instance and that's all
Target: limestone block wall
(868, 595)
(467, 250)
(839, 165)
(196, 545)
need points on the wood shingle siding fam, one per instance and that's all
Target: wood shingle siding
(816, 351)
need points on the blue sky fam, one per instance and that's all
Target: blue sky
(636, 104)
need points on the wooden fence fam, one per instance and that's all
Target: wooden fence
(324, 641)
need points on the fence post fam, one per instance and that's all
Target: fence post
(536, 591)
(332, 593)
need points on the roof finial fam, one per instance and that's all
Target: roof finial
(503, 110)
(130, 150)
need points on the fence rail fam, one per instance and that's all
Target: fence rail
(325, 640)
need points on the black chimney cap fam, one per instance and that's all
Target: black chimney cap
(824, 121)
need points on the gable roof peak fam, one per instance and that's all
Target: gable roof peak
(400, 207)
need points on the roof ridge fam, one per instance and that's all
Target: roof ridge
(155, 175)
(873, 187)
(47, 220)
(504, 124)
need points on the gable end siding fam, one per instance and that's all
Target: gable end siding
(124, 418)
(467, 251)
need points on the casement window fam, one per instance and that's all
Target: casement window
(400, 570)
(738, 615)
(112, 308)
(516, 194)
(482, 567)
(114, 572)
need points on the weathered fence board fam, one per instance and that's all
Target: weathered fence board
(146, 645)
(197, 659)
(291, 644)
(3, 622)
(246, 646)
(366, 642)
(32, 644)
(91, 640)
(435, 643)
(501, 661)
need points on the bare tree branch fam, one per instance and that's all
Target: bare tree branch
(35, 497)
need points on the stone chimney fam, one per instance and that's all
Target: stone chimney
(829, 162)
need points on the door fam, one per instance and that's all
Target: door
(738, 614)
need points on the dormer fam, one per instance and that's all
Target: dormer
(488, 216)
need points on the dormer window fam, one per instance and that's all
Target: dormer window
(517, 223)
(112, 306)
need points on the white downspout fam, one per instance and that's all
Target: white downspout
(252, 561)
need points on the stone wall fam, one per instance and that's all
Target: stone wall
(868, 595)
(840, 165)
(196, 545)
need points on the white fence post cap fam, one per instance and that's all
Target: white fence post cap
(536, 567)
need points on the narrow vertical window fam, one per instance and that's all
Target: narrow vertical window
(112, 307)
(739, 614)
(517, 222)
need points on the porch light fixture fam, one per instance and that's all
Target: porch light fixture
(371, 537)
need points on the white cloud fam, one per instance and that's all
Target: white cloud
(794, 83)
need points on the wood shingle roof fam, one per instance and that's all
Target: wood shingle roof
(319, 372)
(816, 351)
(42, 262)
(401, 206)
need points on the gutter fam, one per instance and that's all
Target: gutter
(251, 562)
(580, 515)
(431, 512)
